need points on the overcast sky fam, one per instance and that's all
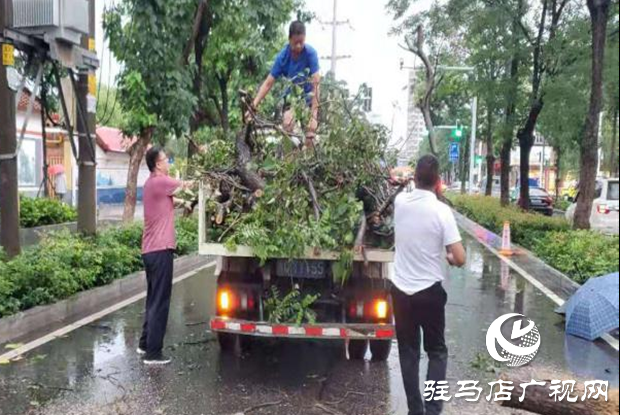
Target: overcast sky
(375, 56)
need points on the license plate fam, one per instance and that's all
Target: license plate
(302, 269)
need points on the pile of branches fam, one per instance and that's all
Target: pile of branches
(265, 191)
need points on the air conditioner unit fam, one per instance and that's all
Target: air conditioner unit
(52, 20)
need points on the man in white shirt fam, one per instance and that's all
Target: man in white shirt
(426, 236)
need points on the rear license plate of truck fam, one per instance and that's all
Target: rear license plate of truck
(302, 269)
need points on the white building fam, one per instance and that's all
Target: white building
(416, 128)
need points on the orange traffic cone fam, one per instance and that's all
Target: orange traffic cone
(506, 241)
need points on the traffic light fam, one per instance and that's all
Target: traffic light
(458, 133)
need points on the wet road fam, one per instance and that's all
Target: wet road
(95, 370)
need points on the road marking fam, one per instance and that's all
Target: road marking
(532, 280)
(7, 357)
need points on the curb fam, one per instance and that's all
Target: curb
(557, 282)
(48, 318)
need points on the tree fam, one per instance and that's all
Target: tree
(612, 95)
(562, 125)
(544, 51)
(436, 42)
(155, 85)
(599, 14)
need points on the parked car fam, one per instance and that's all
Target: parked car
(456, 187)
(540, 200)
(605, 211)
(496, 190)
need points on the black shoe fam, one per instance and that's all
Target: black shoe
(159, 360)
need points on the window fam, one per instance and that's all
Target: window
(27, 164)
(614, 189)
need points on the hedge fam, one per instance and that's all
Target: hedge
(64, 264)
(578, 254)
(43, 211)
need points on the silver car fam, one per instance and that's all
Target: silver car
(605, 211)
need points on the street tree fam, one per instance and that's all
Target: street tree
(148, 38)
(599, 15)
(435, 41)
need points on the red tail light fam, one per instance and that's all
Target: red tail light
(378, 309)
(229, 301)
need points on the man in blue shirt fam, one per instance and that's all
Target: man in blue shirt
(299, 63)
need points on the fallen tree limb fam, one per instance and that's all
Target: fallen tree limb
(313, 196)
(386, 205)
(538, 401)
(262, 406)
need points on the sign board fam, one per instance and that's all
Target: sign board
(454, 152)
(8, 54)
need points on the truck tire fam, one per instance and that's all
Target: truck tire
(234, 343)
(380, 350)
(357, 349)
(227, 342)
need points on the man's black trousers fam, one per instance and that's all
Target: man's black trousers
(421, 312)
(159, 267)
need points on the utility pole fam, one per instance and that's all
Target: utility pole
(334, 38)
(472, 144)
(9, 191)
(87, 178)
(334, 58)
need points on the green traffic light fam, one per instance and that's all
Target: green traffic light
(457, 134)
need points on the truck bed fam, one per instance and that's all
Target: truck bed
(372, 254)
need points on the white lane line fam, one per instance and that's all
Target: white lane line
(87, 320)
(532, 280)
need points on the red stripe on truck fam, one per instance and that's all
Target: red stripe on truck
(314, 331)
(280, 330)
(218, 325)
(248, 328)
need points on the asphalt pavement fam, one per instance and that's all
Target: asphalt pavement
(95, 370)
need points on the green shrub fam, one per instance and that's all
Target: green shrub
(578, 254)
(187, 236)
(64, 264)
(43, 211)
(488, 212)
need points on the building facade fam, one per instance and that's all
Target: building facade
(416, 128)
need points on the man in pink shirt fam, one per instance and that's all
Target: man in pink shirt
(158, 246)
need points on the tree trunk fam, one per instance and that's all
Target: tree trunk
(526, 142)
(225, 109)
(425, 103)
(505, 172)
(511, 109)
(599, 13)
(558, 173)
(490, 154)
(202, 41)
(538, 400)
(614, 146)
(135, 160)
(464, 167)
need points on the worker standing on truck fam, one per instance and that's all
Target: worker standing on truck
(158, 246)
(298, 62)
(426, 235)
